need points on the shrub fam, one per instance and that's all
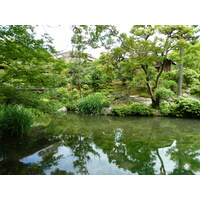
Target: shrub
(86, 87)
(15, 120)
(105, 103)
(172, 75)
(96, 78)
(183, 107)
(189, 76)
(170, 84)
(195, 89)
(163, 93)
(166, 109)
(134, 109)
(92, 104)
(121, 111)
(186, 107)
(140, 109)
(118, 96)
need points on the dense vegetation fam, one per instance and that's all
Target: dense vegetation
(33, 81)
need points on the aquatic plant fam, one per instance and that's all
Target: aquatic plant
(15, 120)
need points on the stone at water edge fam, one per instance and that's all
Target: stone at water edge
(62, 109)
(106, 111)
(158, 114)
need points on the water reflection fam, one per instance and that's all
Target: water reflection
(110, 145)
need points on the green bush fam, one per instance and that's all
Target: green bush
(183, 107)
(189, 76)
(121, 111)
(170, 84)
(163, 93)
(118, 96)
(15, 120)
(86, 87)
(195, 89)
(172, 75)
(105, 103)
(186, 107)
(134, 109)
(166, 109)
(70, 106)
(92, 104)
(140, 109)
(96, 78)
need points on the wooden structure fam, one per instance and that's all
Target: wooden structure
(167, 65)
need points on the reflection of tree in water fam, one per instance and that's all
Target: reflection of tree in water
(76, 134)
(48, 157)
(57, 171)
(80, 147)
(14, 149)
(131, 143)
(186, 154)
(137, 151)
(127, 152)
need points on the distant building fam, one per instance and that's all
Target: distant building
(167, 65)
(68, 56)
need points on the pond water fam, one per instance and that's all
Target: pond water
(74, 144)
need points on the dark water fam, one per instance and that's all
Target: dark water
(106, 145)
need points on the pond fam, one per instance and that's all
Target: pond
(106, 145)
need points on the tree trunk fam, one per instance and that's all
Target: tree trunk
(180, 80)
(154, 102)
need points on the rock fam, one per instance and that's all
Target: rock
(185, 95)
(62, 109)
(158, 114)
(117, 93)
(106, 111)
(136, 98)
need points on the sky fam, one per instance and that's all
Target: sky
(62, 34)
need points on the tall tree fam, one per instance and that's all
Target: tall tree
(26, 64)
(183, 35)
(146, 46)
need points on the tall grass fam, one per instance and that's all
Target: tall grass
(15, 120)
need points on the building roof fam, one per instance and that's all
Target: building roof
(68, 55)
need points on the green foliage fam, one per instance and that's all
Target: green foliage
(15, 120)
(163, 93)
(121, 110)
(27, 68)
(140, 109)
(183, 107)
(117, 96)
(71, 106)
(172, 75)
(166, 109)
(189, 76)
(135, 109)
(39, 118)
(86, 87)
(105, 103)
(195, 89)
(170, 84)
(92, 104)
(186, 107)
(96, 78)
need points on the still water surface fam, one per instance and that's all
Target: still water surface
(107, 145)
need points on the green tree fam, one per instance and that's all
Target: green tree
(27, 65)
(184, 36)
(146, 46)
